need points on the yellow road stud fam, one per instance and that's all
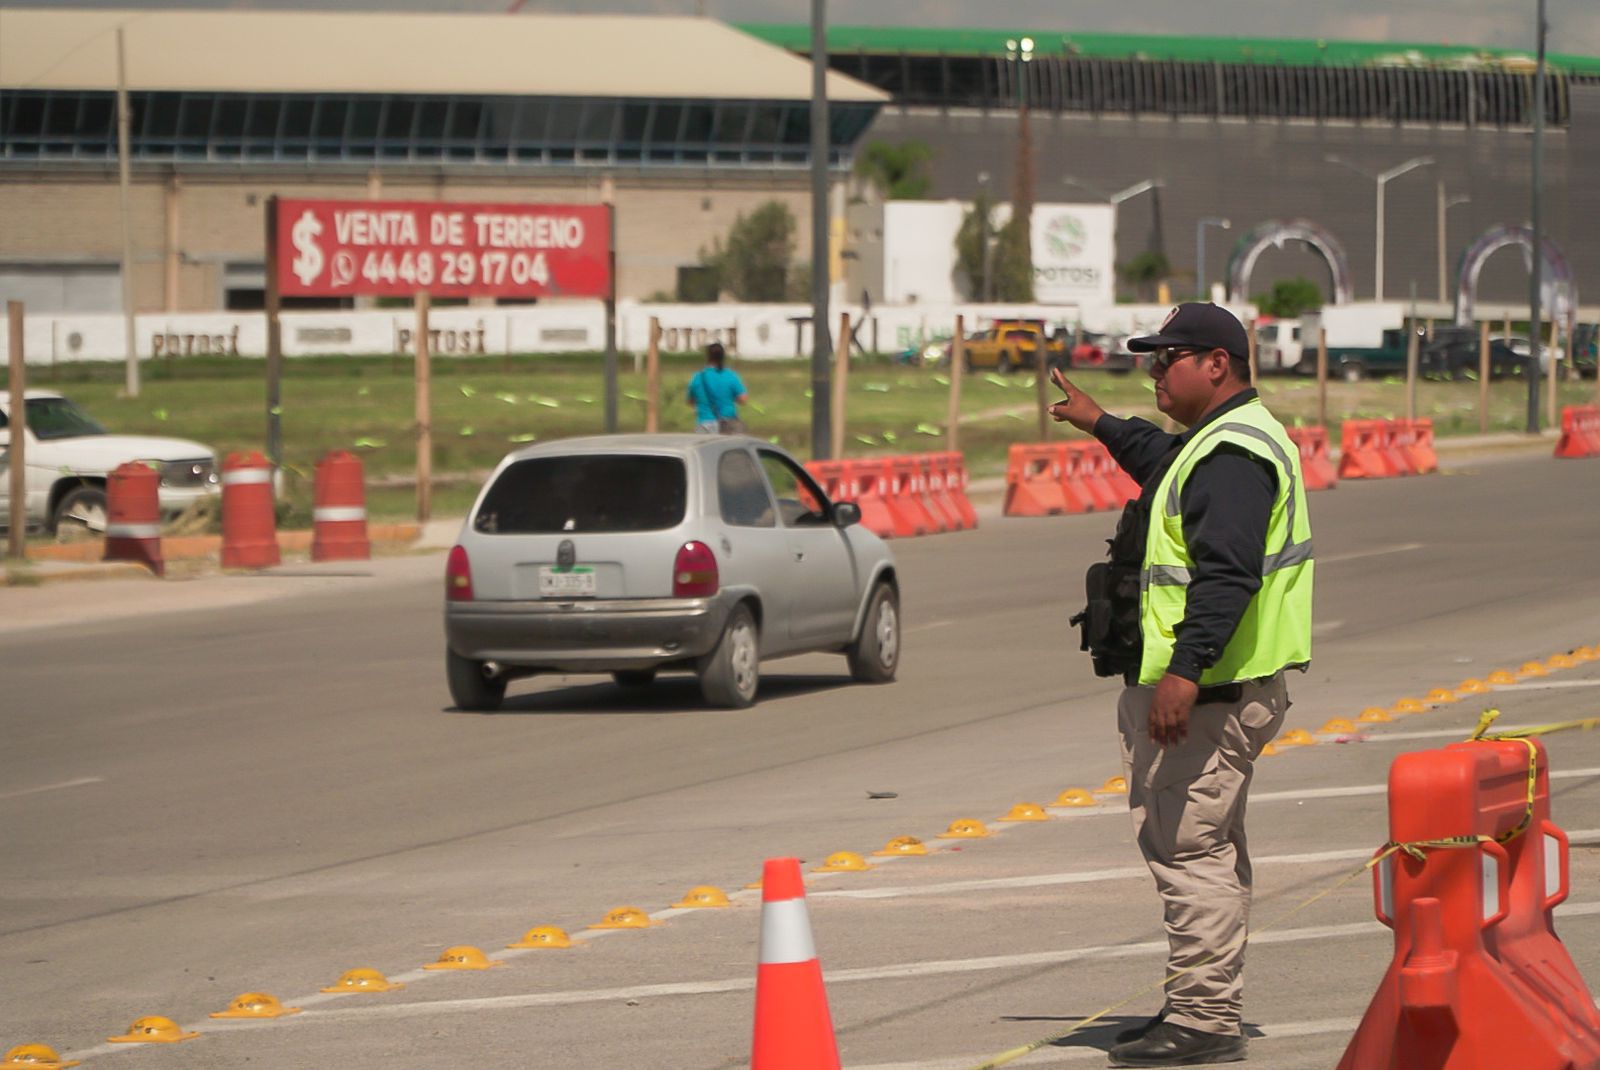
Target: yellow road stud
(1532, 668)
(544, 936)
(1440, 696)
(255, 1005)
(1299, 737)
(1338, 724)
(1472, 686)
(842, 862)
(1117, 785)
(1408, 705)
(153, 1029)
(1026, 811)
(703, 897)
(965, 828)
(1374, 715)
(902, 845)
(1585, 653)
(1501, 676)
(1561, 661)
(36, 1057)
(625, 918)
(362, 979)
(1269, 750)
(463, 957)
(1075, 797)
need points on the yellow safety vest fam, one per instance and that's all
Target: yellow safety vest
(1275, 631)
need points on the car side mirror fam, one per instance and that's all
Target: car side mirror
(846, 513)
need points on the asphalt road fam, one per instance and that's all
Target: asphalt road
(264, 793)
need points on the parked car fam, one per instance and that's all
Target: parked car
(69, 455)
(638, 554)
(1453, 354)
(1014, 345)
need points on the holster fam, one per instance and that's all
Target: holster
(1109, 623)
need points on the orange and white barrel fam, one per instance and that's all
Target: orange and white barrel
(249, 520)
(133, 516)
(339, 512)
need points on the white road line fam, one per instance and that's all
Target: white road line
(930, 626)
(1541, 685)
(1379, 552)
(937, 967)
(1363, 734)
(78, 783)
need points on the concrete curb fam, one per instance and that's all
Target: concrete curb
(28, 575)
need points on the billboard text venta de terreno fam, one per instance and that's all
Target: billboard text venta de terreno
(397, 248)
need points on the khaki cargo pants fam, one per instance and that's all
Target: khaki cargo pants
(1188, 803)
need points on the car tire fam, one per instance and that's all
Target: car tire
(80, 512)
(731, 673)
(1352, 371)
(875, 654)
(633, 678)
(469, 689)
(1003, 366)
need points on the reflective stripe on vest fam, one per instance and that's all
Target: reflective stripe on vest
(1275, 629)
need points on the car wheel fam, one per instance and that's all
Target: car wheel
(1351, 372)
(470, 689)
(730, 674)
(1004, 365)
(634, 677)
(875, 654)
(81, 514)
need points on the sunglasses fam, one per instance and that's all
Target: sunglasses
(1163, 359)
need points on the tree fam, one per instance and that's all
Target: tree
(1013, 262)
(1289, 298)
(753, 265)
(1144, 272)
(977, 227)
(898, 171)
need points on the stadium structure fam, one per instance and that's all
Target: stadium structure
(688, 122)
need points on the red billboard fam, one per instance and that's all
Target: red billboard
(397, 248)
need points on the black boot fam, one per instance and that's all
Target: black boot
(1174, 1045)
(1137, 1032)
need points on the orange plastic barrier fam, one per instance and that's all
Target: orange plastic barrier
(931, 473)
(1479, 977)
(1315, 465)
(793, 1029)
(339, 512)
(906, 497)
(1361, 454)
(1034, 480)
(1580, 431)
(1398, 438)
(1123, 488)
(133, 516)
(249, 523)
(1419, 445)
(954, 474)
(1091, 475)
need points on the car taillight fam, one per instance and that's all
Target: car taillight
(458, 576)
(694, 573)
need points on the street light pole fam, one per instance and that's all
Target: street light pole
(1383, 178)
(1444, 206)
(1200, 249)
(821, 346)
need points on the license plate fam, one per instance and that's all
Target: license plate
(577, 582)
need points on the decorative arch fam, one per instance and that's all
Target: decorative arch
(1560, 289)
(1242, 264)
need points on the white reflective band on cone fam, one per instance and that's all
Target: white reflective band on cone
(247, 475)
(133, 531)
(333, 514)
(786, 933)
(1552, 865)
(1491, 886)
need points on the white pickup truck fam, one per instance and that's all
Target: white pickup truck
(69, 455)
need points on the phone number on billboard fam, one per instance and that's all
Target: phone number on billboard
(492, 267)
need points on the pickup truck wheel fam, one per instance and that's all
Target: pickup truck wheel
(1004, 364)
(634, 677)
(875, 654)
(81, 514)
(730, 674)
(1351, 372)
(470, 689)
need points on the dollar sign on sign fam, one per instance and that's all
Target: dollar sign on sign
(308, 259)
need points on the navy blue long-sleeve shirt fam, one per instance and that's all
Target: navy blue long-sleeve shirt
(1226, 506)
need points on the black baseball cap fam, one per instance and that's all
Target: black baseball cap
(1197, 325)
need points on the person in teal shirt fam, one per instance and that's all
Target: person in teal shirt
(716, 393)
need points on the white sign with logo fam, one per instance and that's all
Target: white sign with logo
(1073, 253)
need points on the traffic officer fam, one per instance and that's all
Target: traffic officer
(1220, 542)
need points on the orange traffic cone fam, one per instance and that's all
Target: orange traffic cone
(793, 1029)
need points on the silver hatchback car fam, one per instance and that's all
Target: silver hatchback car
(633, 554)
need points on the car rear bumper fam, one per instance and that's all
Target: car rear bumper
(600, 636)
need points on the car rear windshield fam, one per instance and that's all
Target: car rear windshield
(600, 492)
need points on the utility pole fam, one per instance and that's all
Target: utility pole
(1535, 282)
(129, 342)
(821, 349)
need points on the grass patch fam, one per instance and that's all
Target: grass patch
(484, 407)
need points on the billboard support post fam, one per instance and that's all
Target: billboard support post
(958, 363)
(273, 302)
(652, 381)
(17, 534)
(424, 414)
(841, 380)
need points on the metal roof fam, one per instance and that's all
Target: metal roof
(416, 54)
(1253, 50)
